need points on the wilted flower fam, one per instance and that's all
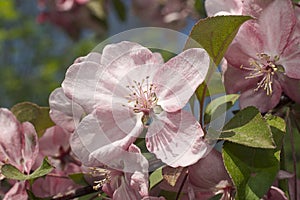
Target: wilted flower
(129, 89)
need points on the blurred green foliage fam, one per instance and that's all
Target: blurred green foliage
(33, 57)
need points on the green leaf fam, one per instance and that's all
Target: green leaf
(278, 129)
(155, 177)
(252, 170)
(42, 170)
(215, 34)
(11, 172)
(248, 128)
(219, 106)
(38, 116)
(120, 9)
(78, 178)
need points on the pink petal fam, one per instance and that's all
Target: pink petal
(63, 111)
(176, 138)
(276, 23)
(17, 192)
(10, 139)
(121, 57)
(218, 7)
(247, 43)
(207, 173)
(260, 99)
(254, 8)
(30, 146)
(290, 87)
(92, 57)
(54, 185)
(290, 58)
(124, 192)
(100, 140)
(178, 79)
(275, 193)
(235, 81)
(53, 141)
(80, 84)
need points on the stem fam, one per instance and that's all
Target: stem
(77, 193)
(202, 98)
(182, 184)
(283, 184)
(289, 125)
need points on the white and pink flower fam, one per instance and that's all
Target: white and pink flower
(127, 89)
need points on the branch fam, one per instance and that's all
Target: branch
(77, 193)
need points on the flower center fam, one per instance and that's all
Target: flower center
(142, 98)
(264, 67)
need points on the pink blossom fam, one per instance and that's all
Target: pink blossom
(123, 184)
(18, 142)
(263, 60)
(56, 183)
(223, 7)
(206, 178)
(72, 16)
(170, 13)
(275, 193)
(63, 111)
(18, 147)
(131, 89)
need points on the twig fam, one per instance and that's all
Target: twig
(182, 184)
(77, 193)
(293, 152)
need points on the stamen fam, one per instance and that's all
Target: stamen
(263, 67)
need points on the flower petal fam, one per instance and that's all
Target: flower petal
(247, 43)
(207, 173)
(176, 138)
(80, 84)
(30, 146)
(10, 139)
(291, 87)
(276, 35)
(290, 58)
(100, 140)
(235, 81)
(17, 192)
(63, 111)
(178, 79)
(218, 7)
(260, 99)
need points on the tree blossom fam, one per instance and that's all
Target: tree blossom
(72, 16)
(171, 14)
(121, 184)
(57, 183)
(65, 113)
(18, 147)
(205, 179)
(129, 88)
(263, 59)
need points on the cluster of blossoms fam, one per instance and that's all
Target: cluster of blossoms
(262, 63)
(117, 106)
(21, 148)
(72, 16)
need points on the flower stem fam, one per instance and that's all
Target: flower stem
(182, 184)
(290, 130)
(77, 193)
